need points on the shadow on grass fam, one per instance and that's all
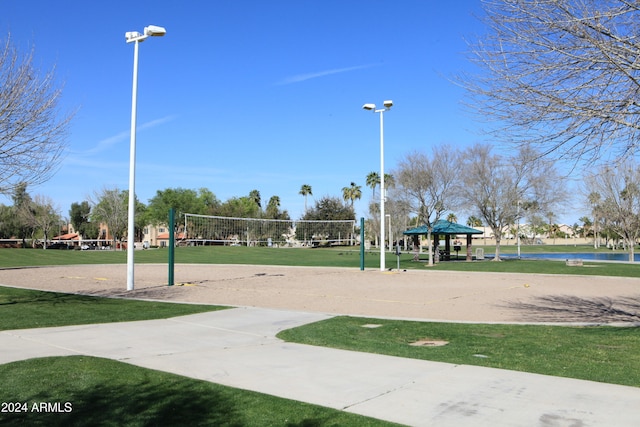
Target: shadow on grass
(144, 405)
(565, 308)
(140, 404)
(88, 391)
(26, 308)
(20, 296)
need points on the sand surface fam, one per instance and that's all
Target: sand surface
(412, 294)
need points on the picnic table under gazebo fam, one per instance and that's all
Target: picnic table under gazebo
(447, 228)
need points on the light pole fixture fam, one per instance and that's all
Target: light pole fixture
(372, 107)
(135, 38)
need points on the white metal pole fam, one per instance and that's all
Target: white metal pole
(382, 195)
(132, 175)
(389, 233)
(518, 229)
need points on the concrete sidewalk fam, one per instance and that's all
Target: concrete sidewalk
(238, 348)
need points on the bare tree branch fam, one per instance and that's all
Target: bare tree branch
(563, 74)
(109, 206)
(501, 189)
(426, 185)
(40, 214)
(32, 130)
(619, 190)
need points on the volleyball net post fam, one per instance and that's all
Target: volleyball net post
(172, 245)
(361, 244)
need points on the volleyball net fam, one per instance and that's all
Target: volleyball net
(210, 230)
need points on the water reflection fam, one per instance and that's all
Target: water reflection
(599, 256)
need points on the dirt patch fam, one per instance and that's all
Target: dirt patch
(428, 342)
(414, 294)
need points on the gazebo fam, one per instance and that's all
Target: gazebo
(447, 229)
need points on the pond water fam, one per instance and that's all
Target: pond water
(600, 256)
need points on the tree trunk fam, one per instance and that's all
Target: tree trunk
(630, 247)
(497, 256)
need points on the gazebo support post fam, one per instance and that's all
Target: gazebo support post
(469, 240)
(447, 247)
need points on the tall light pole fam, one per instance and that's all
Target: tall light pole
(388, 216)
(372, 107)
(518, 228)
(135, 38)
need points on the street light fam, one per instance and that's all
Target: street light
(135, 38)
(372, 107)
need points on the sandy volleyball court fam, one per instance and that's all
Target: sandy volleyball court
(432, 295)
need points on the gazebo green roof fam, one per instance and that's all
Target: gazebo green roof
(443, 227)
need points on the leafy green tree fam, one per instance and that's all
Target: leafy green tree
(239, 207)
(209, 199)
(328, 208)
(8, 223)
(79, 215)
(21, 201)
(200, 202)
(12, 225)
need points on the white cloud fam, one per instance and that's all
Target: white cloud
(303, 77)
(122, 136)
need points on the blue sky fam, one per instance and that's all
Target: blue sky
(249, 94)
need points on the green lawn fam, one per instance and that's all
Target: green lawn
(23, 309)
(511, 247)
(102, 392)
(110, 393)
(334, 257)
(540, 266)
(605, 354)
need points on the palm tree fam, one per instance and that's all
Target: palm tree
(586, 225)
(373, 180)
(352, 193)
(254, 196)
(452, 217)
(474, 221)
(594, 200)
(305, 191)
(389, 180)
(553, 230)
(273, 207)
